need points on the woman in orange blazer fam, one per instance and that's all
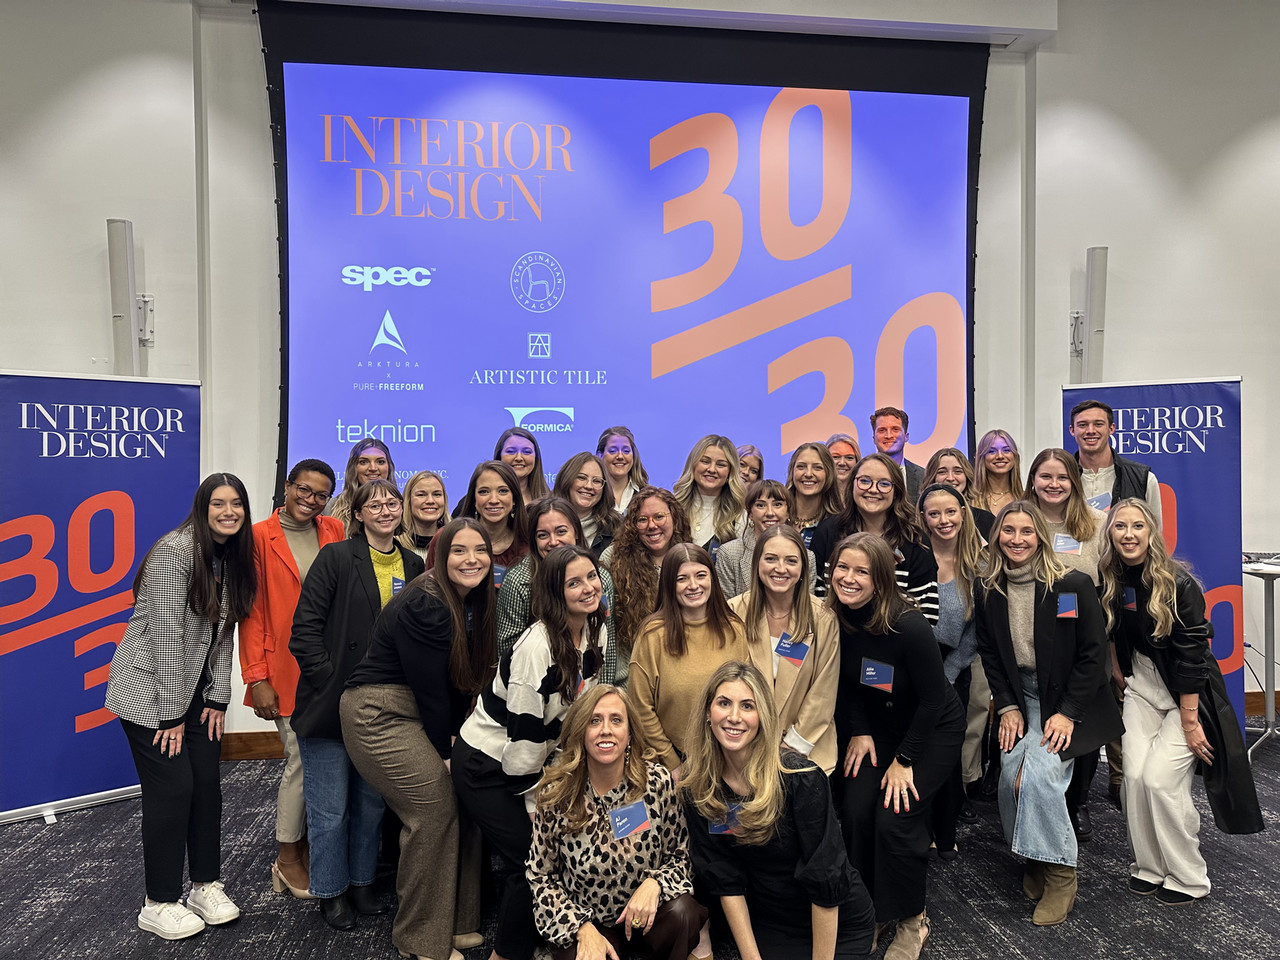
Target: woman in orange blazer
(794, 641)
(284, 546)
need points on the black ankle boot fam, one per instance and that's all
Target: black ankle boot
(337, 912)
(364, 901)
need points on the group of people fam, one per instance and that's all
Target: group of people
(745, 704)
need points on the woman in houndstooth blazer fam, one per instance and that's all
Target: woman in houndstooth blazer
(170, 685)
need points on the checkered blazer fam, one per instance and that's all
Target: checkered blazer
(158, 663)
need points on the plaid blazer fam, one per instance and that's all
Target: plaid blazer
(159, 662)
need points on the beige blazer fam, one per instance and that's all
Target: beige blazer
(804, 695)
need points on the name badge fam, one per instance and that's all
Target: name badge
(396, 585)
(582, 684)
(629, 820)
(877, 674)
(793, 651)
(1101, 502)
(604, 603)
(730, 821)
(499, 571)
(1130, 599)
(1068, 606)
(1063, 543)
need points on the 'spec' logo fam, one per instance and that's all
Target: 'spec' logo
(388, 335)
(370, 277)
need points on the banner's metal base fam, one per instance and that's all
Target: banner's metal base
(49, 811)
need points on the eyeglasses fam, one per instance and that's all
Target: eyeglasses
(657, 520)
(303, 492)
(381, 506)
(866, 483)
(590, 481)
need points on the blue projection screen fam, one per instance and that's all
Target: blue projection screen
(470, 251)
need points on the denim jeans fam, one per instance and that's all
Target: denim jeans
(1036, 823)
(344, 818)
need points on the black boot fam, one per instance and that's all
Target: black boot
(364, 901)
(337, 912)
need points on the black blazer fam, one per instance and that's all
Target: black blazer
(1073, 660)
(331, 625)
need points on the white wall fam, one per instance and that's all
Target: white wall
(1150, 126)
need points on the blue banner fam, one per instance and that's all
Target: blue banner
(95, 471)
(1189, 435)
(469, 252)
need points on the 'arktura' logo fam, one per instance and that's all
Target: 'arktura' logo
(388, 335)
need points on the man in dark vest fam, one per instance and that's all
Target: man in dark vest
(1107, 476)
(889, 428)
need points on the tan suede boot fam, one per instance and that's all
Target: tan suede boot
(1059, 895)
(1033, 880)
(912, 935)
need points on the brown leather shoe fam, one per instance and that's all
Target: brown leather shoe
(1059, 895)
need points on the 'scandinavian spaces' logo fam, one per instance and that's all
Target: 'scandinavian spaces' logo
(537, 281)
(388, 335)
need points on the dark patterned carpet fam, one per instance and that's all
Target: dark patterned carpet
(72, 890)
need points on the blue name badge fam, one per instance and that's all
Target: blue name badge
(1068, 606)
(629, 820)
(1063, 543)
(1101, 502)
(396, 585)
(1130, 599)
(729, 822)
(877, 674)
(499, 571)
(793, 651)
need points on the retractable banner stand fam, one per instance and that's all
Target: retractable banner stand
(1188, 433)
(94, 471)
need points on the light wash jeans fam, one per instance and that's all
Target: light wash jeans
(1036, 824)
(344, 818)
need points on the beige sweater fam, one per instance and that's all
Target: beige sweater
(666, 691)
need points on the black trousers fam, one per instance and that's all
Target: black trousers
(949, 800)
(486, 794)
(673, 936)
(1081, 778)
(891, 850)
(181, 806)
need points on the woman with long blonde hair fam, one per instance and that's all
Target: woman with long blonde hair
(763, 829)
(1178, 718)
(710, 490)
(1044, 647)
(997, 468)
(597, 885)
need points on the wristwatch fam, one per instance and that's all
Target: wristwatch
(903, 761)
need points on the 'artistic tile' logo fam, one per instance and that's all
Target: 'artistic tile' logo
(537, 281)
(539, 346)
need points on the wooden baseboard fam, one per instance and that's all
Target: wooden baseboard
(259, 745)
(1253, 703)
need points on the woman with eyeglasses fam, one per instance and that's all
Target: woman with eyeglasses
(710, 490)
(346, 589)
(692, 633)
(653, 523)
(553, 523)
(426, 511)
(768, 504)
(879, 505)
(845, 454)
(1178, 719)
(997, 471)
(814, 488)
(621, 457)
(1043, 642)
(581, 481)
(494, 498)
(370, 459)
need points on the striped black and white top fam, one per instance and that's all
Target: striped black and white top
(916, 568)
(516, 721)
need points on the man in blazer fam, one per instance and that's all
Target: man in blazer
(889, 428)
(285, 545)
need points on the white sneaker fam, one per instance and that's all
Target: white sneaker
(172, 921)
(211, 903)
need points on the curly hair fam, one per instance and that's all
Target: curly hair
(635, 577)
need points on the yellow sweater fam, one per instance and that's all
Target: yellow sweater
(666, 691)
